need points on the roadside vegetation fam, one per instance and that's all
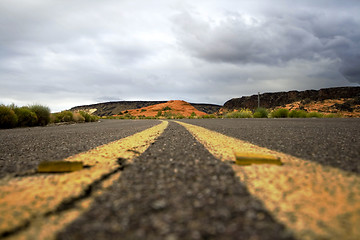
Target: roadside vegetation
(12, 116)
(242, 113)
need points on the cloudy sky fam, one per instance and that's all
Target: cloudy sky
(63, 53)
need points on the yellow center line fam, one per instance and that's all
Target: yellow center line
(24, 199)
(312, 200)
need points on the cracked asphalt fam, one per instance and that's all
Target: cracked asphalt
(21, 149)
(176, 190)
(334, 142)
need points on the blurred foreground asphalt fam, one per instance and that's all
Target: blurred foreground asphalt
(177, 189)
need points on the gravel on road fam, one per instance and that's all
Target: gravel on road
(176, 190)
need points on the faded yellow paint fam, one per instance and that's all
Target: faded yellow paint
(314, 201)
(47, 227)
(26, 199)
(59, 166)
(246, 158)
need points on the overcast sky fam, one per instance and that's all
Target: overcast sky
(63, 53)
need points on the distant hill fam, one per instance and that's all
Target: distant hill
(115, 108)
(276, 99)
(343, 100)
(170, 108)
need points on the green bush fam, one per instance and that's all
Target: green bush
(260, 113)
(314, 115)
(167, 108)
(26, 118)
(42, 113)
(86, 116)
(280, 113)
(159, 113)
(243, 113)
(192, 115)
(64, 116)
(297, 114)
(94, 118)
(179, 116)
(67, 116)
(150, 117)
(208, 116)
(8, 118)
(333, 115)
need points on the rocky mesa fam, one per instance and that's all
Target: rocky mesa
(272, 100)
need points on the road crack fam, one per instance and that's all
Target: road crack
(70, 203)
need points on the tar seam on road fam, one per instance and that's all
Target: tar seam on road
(28, 199)
(314, 201)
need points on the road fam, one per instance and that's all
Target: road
(177, 181)
(334, 142)
(23, 148)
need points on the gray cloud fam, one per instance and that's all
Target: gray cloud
(274, 40)
(65, 53)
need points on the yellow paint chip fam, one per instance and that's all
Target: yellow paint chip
(59, 166)
(246, 158)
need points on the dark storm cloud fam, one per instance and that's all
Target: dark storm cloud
(274, 40)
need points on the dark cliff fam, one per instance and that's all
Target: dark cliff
(271, 100)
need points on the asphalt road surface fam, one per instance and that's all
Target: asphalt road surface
(333, 142)
(22, 149)
(177, 189)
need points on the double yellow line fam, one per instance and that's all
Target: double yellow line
(313, 201)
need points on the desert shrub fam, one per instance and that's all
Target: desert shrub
(167, 108)
(64, 116)
(78, 117)
(94, 118)
(332, 115)
(179, 116)
(243, 113)
(208, 116)
(150, 117)
(314, 115)
(127, 116)
(260, 113)
(297, 114)
(86, 116)
(159, 113)
(8, 118)
(67, 116)
(280, 113)
(26, 118)
(42, 113)
(168, 115)
(143, 110)
(192, 115)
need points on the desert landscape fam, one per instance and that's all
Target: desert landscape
(342, 102)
